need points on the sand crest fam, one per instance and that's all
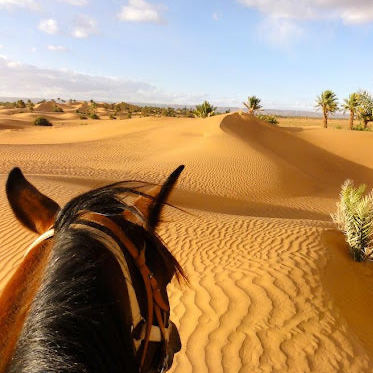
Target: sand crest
(263, 294)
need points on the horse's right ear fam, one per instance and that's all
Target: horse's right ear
(33, 209)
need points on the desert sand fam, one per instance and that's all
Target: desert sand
(272, 288)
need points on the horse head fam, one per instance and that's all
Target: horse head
(91, 292)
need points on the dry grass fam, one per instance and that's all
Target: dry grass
(314, 122)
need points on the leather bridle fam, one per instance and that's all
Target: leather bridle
(143, 330)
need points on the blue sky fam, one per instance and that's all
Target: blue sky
(184, 51)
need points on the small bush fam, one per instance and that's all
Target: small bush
(204, 110)
(83, 117)
(94, 116)
(354, 217)
(361, 128)
(20, 104)
(58, 109)
(129, 115)
(41, 121)
(112, 117)
(268, 118)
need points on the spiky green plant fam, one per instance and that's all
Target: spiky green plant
(354, 217)
(205, 110)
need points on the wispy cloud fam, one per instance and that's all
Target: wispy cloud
(50, 26)
(10, 4)
(350, 12)
(280, 32)
(216, 16)
(74, 2)
(57, 48)
(142, 11)
(84, 26)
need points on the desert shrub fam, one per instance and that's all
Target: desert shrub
(41, 121)
(205, 110)
(168, 112)
(360, 127)
(129, 115)
(268, 118)
(94, 116)
(20, 104)
(354, 217)
(83, 117)
(112, 116)
(58, 109)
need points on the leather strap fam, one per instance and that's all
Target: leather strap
(155, 301)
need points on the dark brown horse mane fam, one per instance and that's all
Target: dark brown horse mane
(75, 323)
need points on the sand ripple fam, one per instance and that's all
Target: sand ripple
(257, 200)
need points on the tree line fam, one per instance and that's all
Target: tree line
(358, 104)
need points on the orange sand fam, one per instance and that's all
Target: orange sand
(271, 290)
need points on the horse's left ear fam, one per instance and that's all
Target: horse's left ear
(152, 208)
(33, 209)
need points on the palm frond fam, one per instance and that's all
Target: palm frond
(354, 217)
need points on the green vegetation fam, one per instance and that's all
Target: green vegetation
(350, 104)
(253, 104)
(204, 110)
(361, 127)
(30, 105)
(328, 103)
(354, 217)
(20, 104)
(268, 118)
(365, 107)
(94, 116)
(41, 121)
(58, 109)
(112, 117)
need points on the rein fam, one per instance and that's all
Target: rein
(143, 330)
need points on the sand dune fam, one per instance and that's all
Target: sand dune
(265, 287)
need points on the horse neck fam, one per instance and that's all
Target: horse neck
(16, 300)
(79, 320)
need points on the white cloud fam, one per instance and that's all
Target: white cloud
(350, 12)
(57, 48)
(13, 64)
(9, 4)
(34, 50)
(74, 2)
(141, 11)
(40, 82)
(50, 26)
(280, 32)
(84, 27)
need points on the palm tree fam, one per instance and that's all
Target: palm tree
(328, 102)
(253, 104)
(365, 107)
(350, 104)
(205, 110)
